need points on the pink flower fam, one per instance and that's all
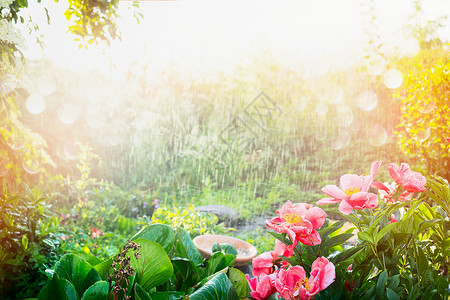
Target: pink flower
(292, 283)
(387, 192)
(96, 233)
(412, 181)
(281, 250)
(263, 264)
(393, 219)
(353, 191)
(299, 221)
(261, 287)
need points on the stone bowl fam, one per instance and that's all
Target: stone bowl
(246, 252)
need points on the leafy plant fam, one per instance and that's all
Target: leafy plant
(157, 263)
(29, 242)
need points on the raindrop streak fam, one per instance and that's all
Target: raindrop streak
(377, 135)
(393, 78)
(367, 100)
(321, 109)
(35, 104)
(71, 150)
(345, 116)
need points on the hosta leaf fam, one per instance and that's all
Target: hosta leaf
(77, 271)
(153, 267)
(218, 288)
(98, 291)
(58, 288)
(186, 248)
(160, 233)
(239, 282)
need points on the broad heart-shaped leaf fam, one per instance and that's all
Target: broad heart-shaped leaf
(58, 288)
(103, 268)
(219, 261)
(225, 248)
(186, 248)
(153, 267)
(91, 259)
(218, 288)
(140, 293)
(160, 233)
(98, 291)
(186, 272)
(239, 282)
(78, 271)
(166, 295)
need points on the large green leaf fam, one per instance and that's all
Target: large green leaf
(218, 288)
(58, 288)
(103, 268)
(140, 293)
(186, 248)
(77, 271)
(219, 261)
(187, 273)
(167, 295)
(153, 267)
(385, 230)
(91, 259)
(239, 282)
(160, 233)
(98, 291)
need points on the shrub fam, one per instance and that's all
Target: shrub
(425, 111)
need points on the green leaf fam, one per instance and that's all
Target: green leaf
(332, 228)
(58, 288)
(91, 259)
(226, 249)
(160, 233)
(337, 240)
(187, 272)
(172, 295)
(218, 288)
(394, 281)
(385, 230)
(186, 248)
(391, 295)
(140, 293)
(98, 291)
(77, 271)
(153, 267)
(219, 261)
(381, 283)
(365, 237)
(239, 282)
(103, 268)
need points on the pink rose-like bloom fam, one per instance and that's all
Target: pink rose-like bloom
(292, 284)
(393, 219)
(263, 264)
(281, 249)
(300, 222)
(261, 287)
(353, 191)
(387, 192)
(412, 181)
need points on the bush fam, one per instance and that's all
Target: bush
(29, 243)
(425, 111)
